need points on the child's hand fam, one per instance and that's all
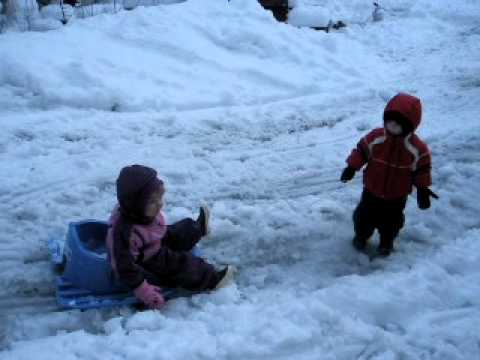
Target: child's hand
(423, 197)
(347, 174)
(150, 295)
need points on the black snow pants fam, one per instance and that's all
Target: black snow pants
(376, 213)
(175, 266)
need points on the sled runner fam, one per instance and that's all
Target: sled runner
(86, 280)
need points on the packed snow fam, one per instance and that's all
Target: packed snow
(255, 118)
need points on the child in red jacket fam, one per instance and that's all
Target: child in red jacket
(396, 161)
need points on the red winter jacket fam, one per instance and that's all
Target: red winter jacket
(394, 164)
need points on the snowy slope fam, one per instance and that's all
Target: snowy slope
(255, 118)
(140, 61)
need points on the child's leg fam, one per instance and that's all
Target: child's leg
(183, 235)
(364, 218)
(182, 269)
(392, 222)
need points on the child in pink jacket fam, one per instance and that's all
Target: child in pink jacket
(145, 252)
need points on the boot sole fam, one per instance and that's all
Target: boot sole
(227, 279)
(206, 212)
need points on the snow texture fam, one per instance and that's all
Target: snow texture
(255, 118)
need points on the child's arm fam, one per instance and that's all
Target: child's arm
(422, 177)
(127, 270)
(132, 275)
(360, 155)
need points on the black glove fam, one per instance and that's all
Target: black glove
(423, 197)
(347, 174)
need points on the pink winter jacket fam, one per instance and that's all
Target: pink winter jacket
(144, 239)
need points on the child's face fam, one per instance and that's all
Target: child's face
(154, 204)
(393, 127)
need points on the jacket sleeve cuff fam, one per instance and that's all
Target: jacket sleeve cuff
(422, 182)
(144, 284)
(355, 165)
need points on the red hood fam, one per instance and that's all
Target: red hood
(407, 105)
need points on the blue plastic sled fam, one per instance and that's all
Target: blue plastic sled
(87, 280)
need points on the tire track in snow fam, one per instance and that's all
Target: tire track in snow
(10, 197)
(14, 198)
(27, 304)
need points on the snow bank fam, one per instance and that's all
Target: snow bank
(146, 60)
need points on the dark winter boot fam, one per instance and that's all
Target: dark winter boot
(203, 219)
(386, 246)
(384, 251)
(359, 243)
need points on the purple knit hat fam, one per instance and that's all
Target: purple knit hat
(135, 185)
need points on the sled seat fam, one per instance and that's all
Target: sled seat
(88, 280)
(85, 251)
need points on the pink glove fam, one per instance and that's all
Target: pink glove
(150, 295)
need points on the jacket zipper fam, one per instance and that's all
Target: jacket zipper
(387, 176)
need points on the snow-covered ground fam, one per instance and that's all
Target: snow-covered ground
(255, 118)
